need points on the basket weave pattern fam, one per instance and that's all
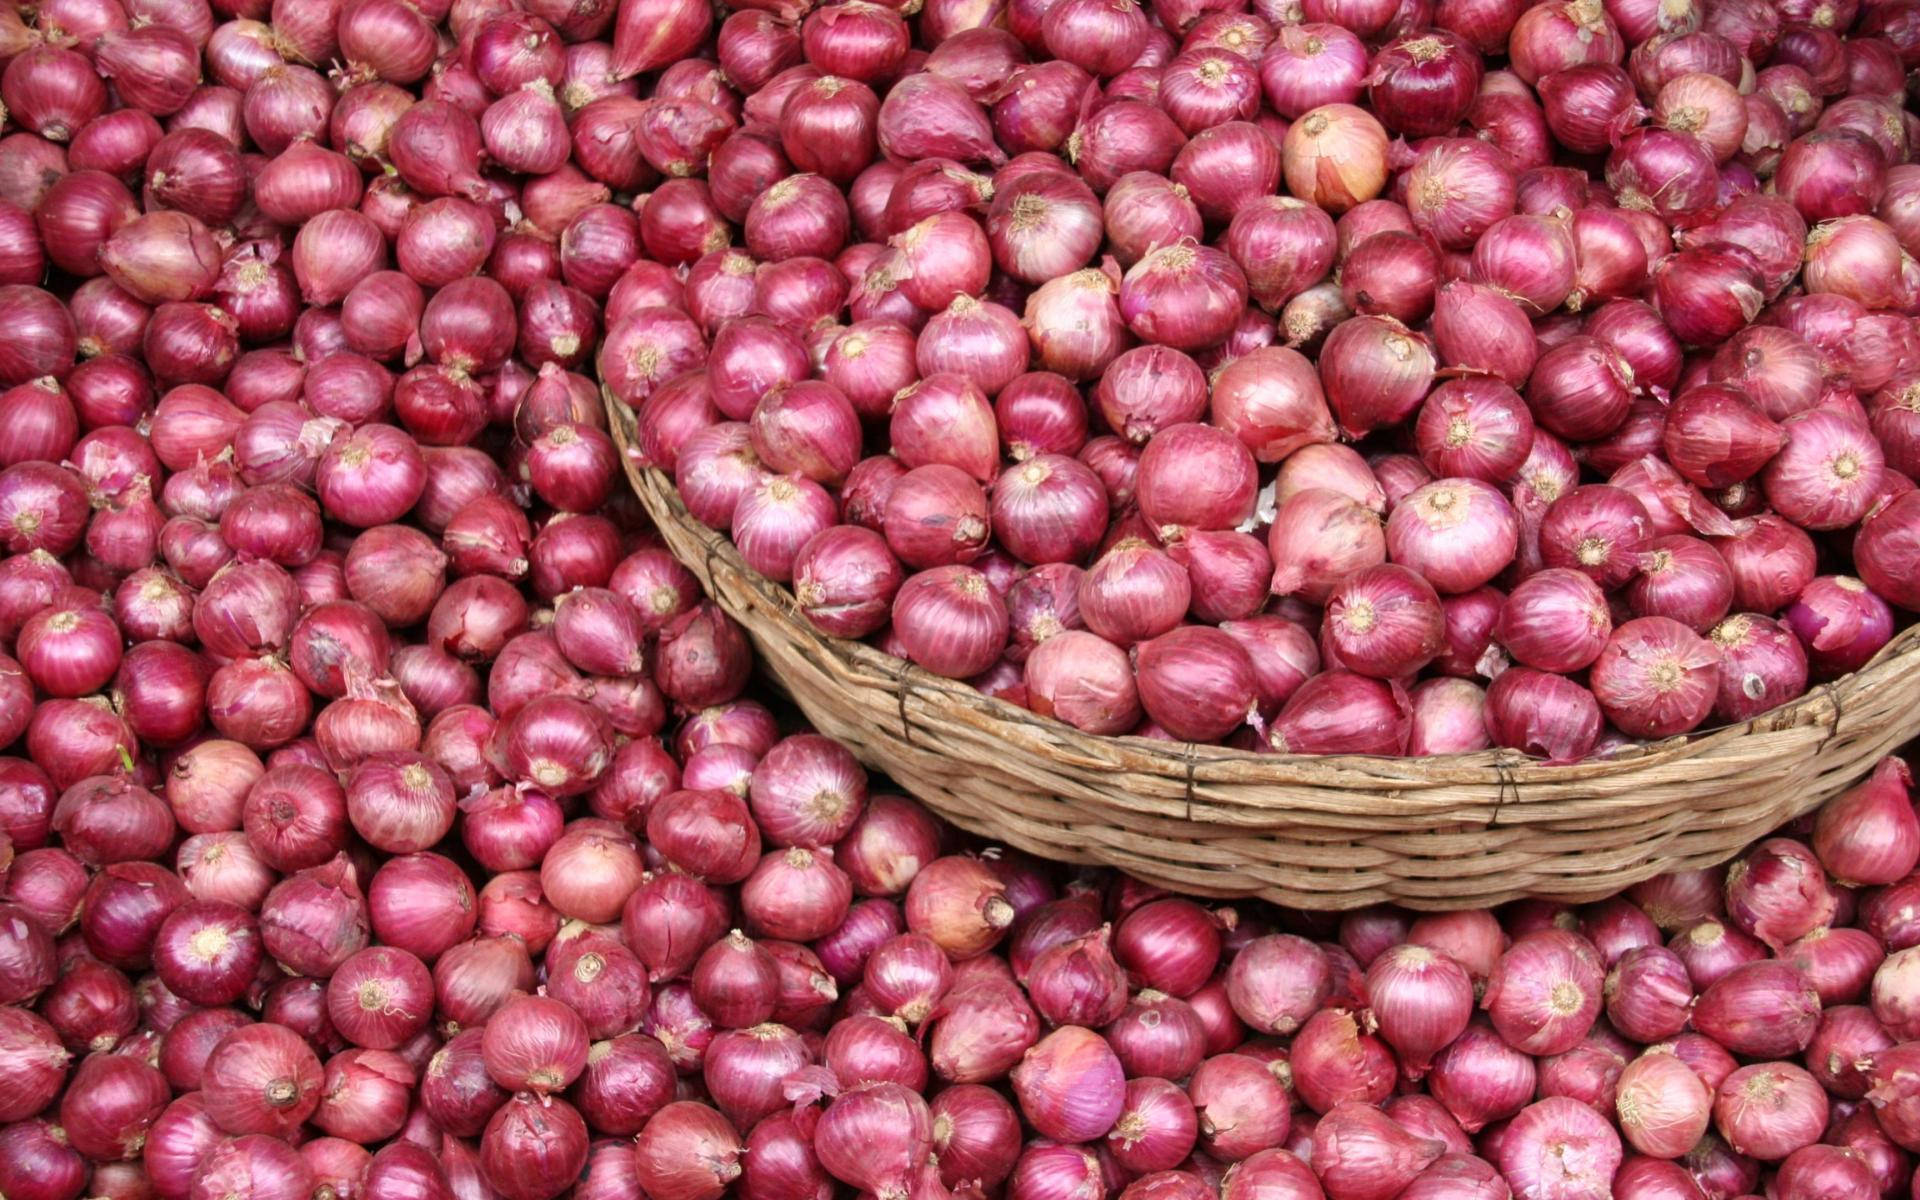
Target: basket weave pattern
(1338, 832)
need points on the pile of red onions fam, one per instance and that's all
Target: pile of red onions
(725, 961)
(384, 814)
(1109, 321)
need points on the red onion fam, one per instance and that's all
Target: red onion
(1122, 138)
(945, 419)
(1271, 400)
(1168, 945)
(1768, 1110)
(1196, 683)
(1340, 712)
(315, 918)
(1219, 492)
(984, 1030)
(55, 90)
(588, 873)
(950, 621)
(1078, 982)
(1456, 190)
(1530, 258)
(1184, 296)
(845, 579)
(121, 911)
(534, 1043)
(1036, 107)
(1310, 65)
(367, 1093)
(1836, 1171)
(1227, 165)
(1596, 529)
(1711, 949)
(1157, 1035)
(261, 1079)
(907, 975)
(1559, 1147)
(1684, 280)
(873, 1137)
(975, 1134)
(886, 846)
(1360, 1153)
(1384, 621)
(1044, 226)
(798, 895)
(710, 834)
(1610, 259)
(78, 215)
(533, 1147)
(1664, 1107)
(1778, 892)
(228, 557)
(1588, 105)
(1542, 714)
(1656, 678)
(1148, 389)
(472, 980)
(1649, 993)
(108, 819)
(207, 952)
(1682, 578)
(1826, 474)
(1715, 437)
(1474, 428)
(1069, 1085)
(627, 1080)
(1843, 1043)
(979, 342)
(1157, 1127)
(1456, 1175)
(1864, 835)
(960, 904)
(421, 903)
(1375, 373)
(1837, 962)
(28, 950)
(1319, 536)
(69, 650)
(1545, 993)
(1240, 1104)
(775, 518)
(1424, 84)
(1075, 323)
(253, 1165)
(1840, 621)
(807, 791)
(687, 1152)
(1422, 1000)
(1762, 666)
(1883, 545)
(1455, 532)
(1671, 174)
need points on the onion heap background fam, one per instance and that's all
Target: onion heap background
(386, 816)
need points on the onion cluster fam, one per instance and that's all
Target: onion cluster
(384, 814)
(735, 965)
(1108, 320)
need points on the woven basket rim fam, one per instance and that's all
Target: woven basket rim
(1824, 703)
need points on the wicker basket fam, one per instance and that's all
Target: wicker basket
(1462, 831)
